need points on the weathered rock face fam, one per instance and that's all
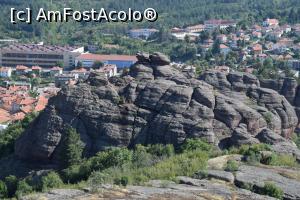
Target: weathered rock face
(289, 88)
(156, 103)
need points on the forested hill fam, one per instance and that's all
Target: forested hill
(171, 13)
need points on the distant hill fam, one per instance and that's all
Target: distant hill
(171, 13)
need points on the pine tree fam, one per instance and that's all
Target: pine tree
(72, 148)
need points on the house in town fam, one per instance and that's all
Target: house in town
(36, 70)
(21, 70)
(5, 72)
(224, 49)
(257, 49)
(195, 29)
(56, 71)
(271, 22)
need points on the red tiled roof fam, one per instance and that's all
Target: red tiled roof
(79, 70)
(223, 46)
(18, 116)
(27, 101)
(36, 68)
(21, 67)
(27, 109)
(56, 68)
(4, 116)
(101, 57)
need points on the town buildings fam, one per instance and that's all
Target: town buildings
(16, 102)
(121, 61)
(45, 56)
(210, 25)
(142, 33)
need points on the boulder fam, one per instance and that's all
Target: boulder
(159, 59)
(241, 137)
(221, 175)
(269, 137)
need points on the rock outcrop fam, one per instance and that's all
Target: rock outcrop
(156, 103)
(256, 177)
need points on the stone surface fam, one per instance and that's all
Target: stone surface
(221, 175)
(257, 177)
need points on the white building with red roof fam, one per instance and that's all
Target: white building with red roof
(271, 22)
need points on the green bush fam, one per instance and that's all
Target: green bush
(231, 166)
(271, 190)
(268, 159)
(186, 164)
(98, 178)
(296, 139)
(141, 158)
(77, 173)
(251, 153)
(283, 160)
(11, 184)
(124, 180)
(3, 190)
(161, 150)
(111, 158)
(196, 144)
(268, 117)
(23, 188)
(51, 180)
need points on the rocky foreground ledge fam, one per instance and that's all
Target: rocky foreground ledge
(217, 185)
(156, 103)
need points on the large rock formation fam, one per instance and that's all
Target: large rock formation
(156, 103)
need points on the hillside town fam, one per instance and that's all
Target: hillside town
(32, 73)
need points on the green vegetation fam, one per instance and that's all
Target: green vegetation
(11, 134)
(281, 160)
(185, 164)
(231, 166)
(97, 65)
(119, 166)
(123, 167)
(11, 183)
(3, 190)
(196, 144)
(189, 12)
(52, 180)
(296, 139)
(72, 148)
(268, 117)
(253, 155)
(272, 190)
(23, 188)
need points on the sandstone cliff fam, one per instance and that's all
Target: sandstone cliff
(156, 103)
